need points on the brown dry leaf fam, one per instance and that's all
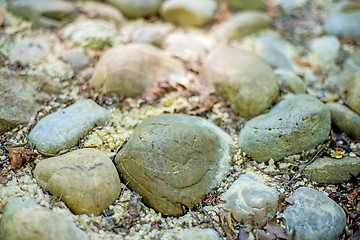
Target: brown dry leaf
(262, 235)
(243, 234)
(274, 228)
(18, 156)
(157, 90)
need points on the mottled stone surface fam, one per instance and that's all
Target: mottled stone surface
(246, 4)
(353, 97)
(64, 128)
(188, 12)
(17, 101)
(289, 80)
(137, 8)
(241, 24)
(173, 160)
(343, 117)
(326, 47)
(333, 171)
(248, 198)
(293, 125)
(28, 50)
(243, 78)
(314, 216)
(130, 69)
(86, 180)
(44, 13)
(197, 233)
(102, 10)
(77, 60)
(154, 33)
(23, 219)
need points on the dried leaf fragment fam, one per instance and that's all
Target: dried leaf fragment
(274, 228)
(18, 156)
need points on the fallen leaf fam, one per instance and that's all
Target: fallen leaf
(337, 154)
(262, 235)
(18, 156)
(243, 234)
(274, 228)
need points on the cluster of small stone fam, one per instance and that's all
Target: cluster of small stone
(173, 160)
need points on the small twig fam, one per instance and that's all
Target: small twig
(211, 219)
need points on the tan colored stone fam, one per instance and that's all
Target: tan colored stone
(354, 93)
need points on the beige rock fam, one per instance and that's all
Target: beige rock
(137, 8)
(86, 180)
(243, 78)
(131, 68)
(354, 93)
(103, 10)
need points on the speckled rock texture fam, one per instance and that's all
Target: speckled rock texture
(132, 68)
(354, 93)
(293, 125)
(243, 78)
(314, 216)
(290, 81)
(346, 119)
(137, 8)
(23, 219)
(17, 101)
(173, 160)
(333, 171)
(197, 233)
(64, 128)
(86, 180)
(188, 12)
(248, 198)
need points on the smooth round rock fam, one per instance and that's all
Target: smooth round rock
(28, 50)
(353, 97)
(243, 78)
(103, 10)
(343, 117)
(154, 33)
(188, 12)
(137, 8)
(197, 233)
(314, 216)
(333, 171)
(86, 180)
(131, 68)
(326, 47)
(246, 4)
(77, 60)
(293, 125)
(241, 24)
(23, 219)
(173, 160)
(248, 198)
(289, 80)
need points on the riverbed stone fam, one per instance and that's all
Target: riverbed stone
(137, 8)
(173, 160)
(17, 101)
(188, 12)
(197, 233)
(77, 60)
(241, 24)
(64, 128)
(248, 198)
(85, 179)
(105, 11)
(131, 68)
(345, 119)
(44, 13)
(243, 78)
(314, 216)
(246, 4)
(333, 171)
(293, 125)
(289, 80)
(353, 97)
(23, 219)
(28, 50)
(94, 34)
(154, 33)
(326, 47)
(344, 21)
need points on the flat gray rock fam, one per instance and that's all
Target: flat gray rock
(346, 119)
(85, 179)
(246, 80)
(333, 171)
(77, 60)
(293, 125)
(17, 101)
(23, 219)
(64, 128)
(314, 216)
(289, 80)
(28, 50)
(173, 160)
(197, 233)
(248, 198)
(326, 47)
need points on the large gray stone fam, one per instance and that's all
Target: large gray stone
(248, 198)
(86, 180)
(23, 219)
(137, 8)
(314, 216)
(343, 117)
(173, 160)
(246, 4)
(293, 125)
(64, 128)
(188, 12)
(353, 97)
(197, 233)
(333, 171)
(44, 13)
(154, 33)
(241, 24)
(243, 78)
(289, 80)
(130, 69)
(326, 47)
(28, 50)
(17, 101)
